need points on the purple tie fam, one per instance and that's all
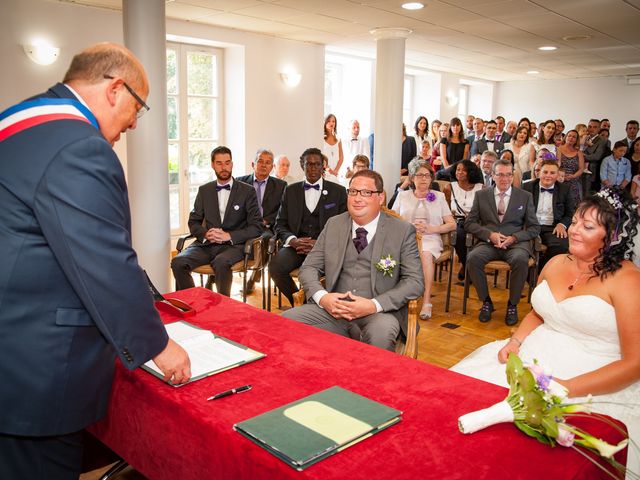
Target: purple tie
(360, 241)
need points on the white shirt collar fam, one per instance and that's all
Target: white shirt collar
(370, 227)
(496, 192)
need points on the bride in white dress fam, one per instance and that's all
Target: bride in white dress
(585, 322)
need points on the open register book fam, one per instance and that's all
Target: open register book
(315, 427)
(209, 353)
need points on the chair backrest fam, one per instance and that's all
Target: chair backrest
(395, 214)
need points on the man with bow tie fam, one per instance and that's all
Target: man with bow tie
(225, 215)
(554, 209)
(489, 141)
(357, 145)
(305, 209)
(363, 296)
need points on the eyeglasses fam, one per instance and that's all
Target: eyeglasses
(144, 108)
(503, 175)
(422, 175)
(352, 192)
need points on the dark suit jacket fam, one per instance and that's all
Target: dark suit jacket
(563, 206)
(272, 198)
(505, 137)
(241, 218)
(519, 220)
(480, 146)
(331, 203)
(596, 152)
(394, 237)
(72, 295)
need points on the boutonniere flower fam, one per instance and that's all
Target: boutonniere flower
(324, 192)
(431, 196)
(386, 265)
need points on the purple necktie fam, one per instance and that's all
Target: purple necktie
(360, 241)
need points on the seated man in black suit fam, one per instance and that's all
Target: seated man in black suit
(488, 142)
(306, 207)
(225, 215)
(269, 191)
(554, 209)
(503, 219)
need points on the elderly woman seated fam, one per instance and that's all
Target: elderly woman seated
(427, 209)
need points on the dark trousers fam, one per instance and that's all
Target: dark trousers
(280, 267)
(41, 458)
(460, 246)
(555, 246)
(517, 258)
(220, 257)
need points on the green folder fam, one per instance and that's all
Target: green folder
(306, 431)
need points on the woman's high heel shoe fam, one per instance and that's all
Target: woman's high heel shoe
(425, 312)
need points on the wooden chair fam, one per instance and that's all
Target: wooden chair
(445, 261)
(498, 266)
(404, 346)
(255, 258)
(272, 249)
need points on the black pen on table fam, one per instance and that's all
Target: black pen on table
(243, 388)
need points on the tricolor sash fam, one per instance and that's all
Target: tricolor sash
(30, 113)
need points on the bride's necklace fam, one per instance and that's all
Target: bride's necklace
(580, 275)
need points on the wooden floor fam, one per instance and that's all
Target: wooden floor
(443, 340)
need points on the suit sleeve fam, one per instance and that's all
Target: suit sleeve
(283, 228)
(569, 208)
(472, 223)
(254, 220)
(531, 226)
(597, 153)
(474, 149)
(313, 267)
(342, 200)
(82, 208)
(411, 282)
(196, 216)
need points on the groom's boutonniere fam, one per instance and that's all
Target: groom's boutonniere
(386, 265)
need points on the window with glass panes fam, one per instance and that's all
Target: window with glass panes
(194, 112)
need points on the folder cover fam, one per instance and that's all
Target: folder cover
(312, 428)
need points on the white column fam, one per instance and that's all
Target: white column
(389, 87)
(147, 158)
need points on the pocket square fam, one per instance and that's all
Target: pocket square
(520, 207)
(329, 205)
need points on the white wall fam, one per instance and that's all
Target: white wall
(67, 26)
(574, 101)
(261, 111)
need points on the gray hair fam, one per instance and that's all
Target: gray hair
(261, 151)
(501, 162)
(489, 153)
(416, 164)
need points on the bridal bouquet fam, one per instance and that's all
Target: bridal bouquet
(536, 405)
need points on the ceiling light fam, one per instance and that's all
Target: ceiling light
(547, 48)
(533, 72)
(572, 38)
(412, 6)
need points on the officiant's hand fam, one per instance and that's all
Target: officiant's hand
(174, 363)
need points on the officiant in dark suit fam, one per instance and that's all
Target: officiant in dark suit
(359, 288)
(225, 215)
(504, 220)
(554, 209)
(306, 207)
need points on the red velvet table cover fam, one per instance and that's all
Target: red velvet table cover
(174, 433)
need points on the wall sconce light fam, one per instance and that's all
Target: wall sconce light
(451, 99)
(41, 52)
(291, 78)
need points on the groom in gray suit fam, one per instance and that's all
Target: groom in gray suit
(349, 253)
(503, 219)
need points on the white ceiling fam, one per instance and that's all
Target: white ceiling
(490, 39)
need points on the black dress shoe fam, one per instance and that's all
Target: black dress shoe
(461, 274)
(250, 287)
(511, 318)
(485, 311)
